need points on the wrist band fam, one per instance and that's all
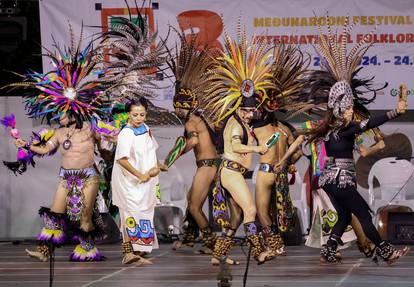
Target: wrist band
(392, 114)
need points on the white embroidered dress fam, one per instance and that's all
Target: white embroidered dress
(136, 201)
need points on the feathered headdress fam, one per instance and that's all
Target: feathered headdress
(68, 88)
(336, 86)
(242, 71)
(133, 57)
(188, 65)
(287, 69)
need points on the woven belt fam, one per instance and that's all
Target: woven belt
(340, 171)
(89, 171)
(209, 162)
(234, 166)
(342, 163)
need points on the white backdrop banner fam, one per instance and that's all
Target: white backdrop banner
(389, 60)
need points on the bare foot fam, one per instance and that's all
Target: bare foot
(141, 253)
(176, 245)
(204, 250)
(179, 244)
(130, 258)
(146, 261)
(215, 262)
(37, 255)
(281, 251)
(338, 254)
(265, 256)
(138, 263)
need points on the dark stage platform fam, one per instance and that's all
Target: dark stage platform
(184, 268)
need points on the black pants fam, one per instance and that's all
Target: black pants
(348, 201)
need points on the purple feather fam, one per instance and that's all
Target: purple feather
(56, 86)
(8, 121)
(75, 75)
(22, 154)
(50, 92)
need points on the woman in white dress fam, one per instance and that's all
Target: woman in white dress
(134, 181)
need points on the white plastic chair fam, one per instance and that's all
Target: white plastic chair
(392, 175)
(172, 207)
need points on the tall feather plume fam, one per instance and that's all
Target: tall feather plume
(69, 87)
(189, 63)
(72, 40)
(334, 50)
(133, 60)
(241, 60)
(287, 70)
(336, 65)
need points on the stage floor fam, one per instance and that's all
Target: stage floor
(184, 268)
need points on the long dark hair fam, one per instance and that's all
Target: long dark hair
(75, 118)
(325, 125)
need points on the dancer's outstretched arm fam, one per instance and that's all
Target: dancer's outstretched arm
(292, 149)
(44, 149)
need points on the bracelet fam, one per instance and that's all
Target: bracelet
(392, 114)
